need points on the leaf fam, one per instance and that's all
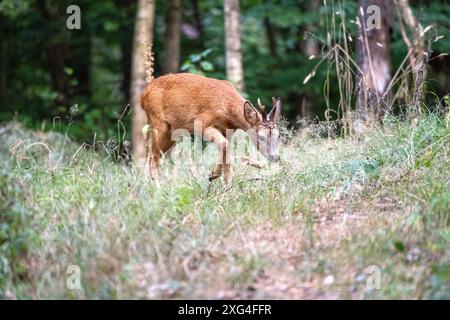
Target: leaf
(207, 66)
(68, 71)
(195, 57)
(400, 246)
(186, 66)
(205, 53)
(447, 99)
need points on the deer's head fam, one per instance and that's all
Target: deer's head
(264, 132)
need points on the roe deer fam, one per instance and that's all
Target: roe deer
(175, 101)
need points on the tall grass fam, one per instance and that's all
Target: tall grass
(406, 89)
(308, 228)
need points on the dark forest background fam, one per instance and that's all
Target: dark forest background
(51, 76)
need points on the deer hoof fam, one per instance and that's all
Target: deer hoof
(213, 176)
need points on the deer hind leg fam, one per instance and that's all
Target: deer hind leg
(223, 165)
(160, 144)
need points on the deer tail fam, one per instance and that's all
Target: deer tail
(149, 59)
(146, 136)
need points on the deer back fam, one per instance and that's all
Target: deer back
(181, 99)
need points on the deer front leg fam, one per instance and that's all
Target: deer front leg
(224, 162)
(253, 163)
(154, 168)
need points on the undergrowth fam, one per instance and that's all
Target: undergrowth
(332, 216)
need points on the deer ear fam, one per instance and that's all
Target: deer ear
(250, 113)
(275, 113)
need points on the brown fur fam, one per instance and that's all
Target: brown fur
(176, 101)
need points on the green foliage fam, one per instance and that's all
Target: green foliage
(14, 8)
(16, 234)
(91, 68)
(198, 63)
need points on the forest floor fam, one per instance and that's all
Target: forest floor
(366, 217)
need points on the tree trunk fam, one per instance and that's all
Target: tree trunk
(81, 57)
(3, 70)
(373, 51)
(419, 57)
(143, 32)
(198, 23)
(271, 38)
(172, 36)
(309, 46)
(126, 7)
(233, 43)
(415, 28)
(57, 53)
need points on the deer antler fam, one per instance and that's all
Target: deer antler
(261, 106)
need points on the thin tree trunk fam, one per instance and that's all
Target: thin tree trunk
(415, 28)
(198, 23)
(309, 47)
(3, 70)
(143, 31)
(271, 38)
(373, 51)
(419, 58)
(83, 62)
(57, 53)
(126, 49)
(233, 43)
(172, 36)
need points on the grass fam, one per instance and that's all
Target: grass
(319, 226)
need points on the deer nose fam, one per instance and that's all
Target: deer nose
(274, 158)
